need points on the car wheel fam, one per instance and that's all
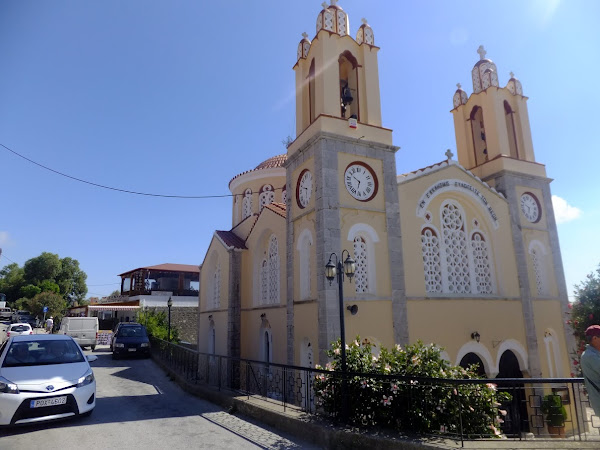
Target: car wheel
(93, 347)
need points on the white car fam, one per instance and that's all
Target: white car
(44, 377)
(16, 329)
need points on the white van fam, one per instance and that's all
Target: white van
(83, 329)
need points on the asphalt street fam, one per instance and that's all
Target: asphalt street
(139, 407)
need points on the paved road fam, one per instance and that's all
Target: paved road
(138, 407)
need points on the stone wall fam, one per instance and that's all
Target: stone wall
(186, 322)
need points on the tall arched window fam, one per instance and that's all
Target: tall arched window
(264, 284)
(304, 252)
(247, 204)
(273, 270)
(481, 263)
(478, 134)
(540, 269)
(266, 197)
(348, 69)
(455, 254)
(216, 291)
(361, 275)
(430, 246)
(511, 130)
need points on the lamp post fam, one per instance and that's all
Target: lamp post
(331, 271)
(169, 304)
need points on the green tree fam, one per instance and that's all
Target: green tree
(12, 279)
(71, 280)
(30, 291)
(47, 266)
(585, 311)
(56, 305)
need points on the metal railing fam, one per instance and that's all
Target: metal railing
(293, 387)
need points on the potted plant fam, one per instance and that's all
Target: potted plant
(555, 415)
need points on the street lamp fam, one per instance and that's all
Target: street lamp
(169, 304)
(331, 270)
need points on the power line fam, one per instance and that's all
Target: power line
(107, 284)
(2, 255)
(114, 188)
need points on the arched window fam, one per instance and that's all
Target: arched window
(483, 281)
(553, 355)
(455, 257)
(264, 285)
(266, 197)
(273, 267)
(216, 291)
(540, 270)
(478, 134)
(471, 359)
(247, 204)
(511, 130)
(348, 69)
(430, 246)
(212, 338)
(266, 344)
(361, 276)
(304, 252)
(311, 91)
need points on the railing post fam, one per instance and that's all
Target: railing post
(247, 380)
(284, 388)
(219, 372)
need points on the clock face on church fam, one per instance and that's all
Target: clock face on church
(360, 181)
(304, 188)
(530, 207)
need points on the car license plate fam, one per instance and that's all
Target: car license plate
(48, 402)
(131, 349)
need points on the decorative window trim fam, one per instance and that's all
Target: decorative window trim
(247, 204)
(480, 350)
(490, 262)
(553, 354)
(266, 196)
(443, 249)
(305, 242)
(216, 287)
(426, 263)
(370, 236)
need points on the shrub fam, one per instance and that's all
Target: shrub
(156, 323)
(553, 409)
(414, 395)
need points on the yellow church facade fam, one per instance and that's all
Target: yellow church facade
(463, 253)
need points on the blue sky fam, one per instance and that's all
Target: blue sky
(178, 97)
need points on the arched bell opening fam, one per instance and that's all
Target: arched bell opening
(478, 133)
(349, 102)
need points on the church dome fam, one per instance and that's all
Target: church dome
(484, 73)
(303, 46)
(460, 97)
(333, 19)
(514, 85)
(365, 34)
(273, 162)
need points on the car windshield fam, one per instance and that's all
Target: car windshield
(20, 328)
(131, 332)
(42, 352)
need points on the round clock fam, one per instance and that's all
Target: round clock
(304, 188)
(530, 207)
(360, 181)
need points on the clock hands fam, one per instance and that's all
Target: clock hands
(358, 187)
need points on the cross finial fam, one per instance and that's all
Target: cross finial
(481, 52)
(324, 5)
(449, 154)
(458, 85)
(333, 2)
(512, 75)
(304, 35)
(363, 20)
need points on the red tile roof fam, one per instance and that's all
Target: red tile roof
(231, 239)
(278, 208)
(167, 267)
(271, 163)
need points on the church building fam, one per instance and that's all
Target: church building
(463, 253)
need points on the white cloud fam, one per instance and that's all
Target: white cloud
(4, 238)
(563, 212)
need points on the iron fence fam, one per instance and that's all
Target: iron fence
(294, 387)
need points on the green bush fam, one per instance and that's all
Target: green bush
(553, 409)
(419, 400)
(157, 324)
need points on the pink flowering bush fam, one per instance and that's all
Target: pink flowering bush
(404, 388)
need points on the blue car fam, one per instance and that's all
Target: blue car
(130, 339)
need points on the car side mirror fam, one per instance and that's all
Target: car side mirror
(91, 358)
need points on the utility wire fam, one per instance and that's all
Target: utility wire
(4, 256)
(118, 189)
(108, 284)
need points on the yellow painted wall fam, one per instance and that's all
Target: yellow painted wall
(252, 338)
(216, 252)
(305, 326)
(548, 316)
(374, 319)
(503, 261)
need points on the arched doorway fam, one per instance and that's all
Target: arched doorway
(471, 359)
(516, 420)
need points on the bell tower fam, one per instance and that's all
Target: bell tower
(342, 193)
(493, 141)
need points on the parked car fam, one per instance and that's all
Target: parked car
(130, 339)
(17, 329)
(5, 314)
(24, 317)
(44, 377)
(83, 329)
